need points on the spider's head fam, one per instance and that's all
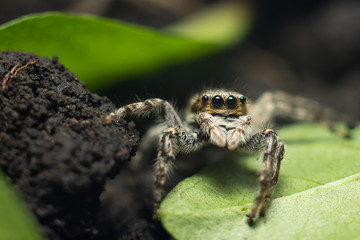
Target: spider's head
(220, 102)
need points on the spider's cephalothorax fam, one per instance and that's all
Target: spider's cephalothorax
(221, 118)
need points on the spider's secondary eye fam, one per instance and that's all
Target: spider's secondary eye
(205, 98)
(231, 102)
(217, 101)
(243, 99)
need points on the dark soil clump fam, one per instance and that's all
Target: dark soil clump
(54, 145)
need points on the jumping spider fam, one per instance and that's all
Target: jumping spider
(221, 118)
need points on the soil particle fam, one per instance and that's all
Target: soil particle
(54, 145)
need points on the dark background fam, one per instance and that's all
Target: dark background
(305, 47)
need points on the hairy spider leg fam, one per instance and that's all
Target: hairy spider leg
(273, 154)
(279, 156)
(172, 139)
(143, 109)
(280, 104)
(165, 157)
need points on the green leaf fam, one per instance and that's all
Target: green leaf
(101, 51)
(98, 50)
(317, 196)
(16, 221)
(224, 23)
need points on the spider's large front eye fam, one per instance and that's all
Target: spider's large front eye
(217, 101)
(231, 102)
(205, 98)
(243, 99)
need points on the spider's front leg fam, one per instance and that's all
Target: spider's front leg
(142, 109)
(173, 140)
(165, 157)
(176, 137)
(274, 150)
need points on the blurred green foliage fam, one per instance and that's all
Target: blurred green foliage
(104, 51)
(98, 50)
(16, 221)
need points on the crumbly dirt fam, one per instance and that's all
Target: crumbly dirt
(55, 147)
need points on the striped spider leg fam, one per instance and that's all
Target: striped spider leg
(175, 137)
(278, 105)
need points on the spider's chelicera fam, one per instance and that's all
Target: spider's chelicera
(217, 117)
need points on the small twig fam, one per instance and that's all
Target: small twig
(13, 72)
(7, 76)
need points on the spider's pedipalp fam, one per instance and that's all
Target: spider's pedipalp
(238, 136)
(207, 124)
